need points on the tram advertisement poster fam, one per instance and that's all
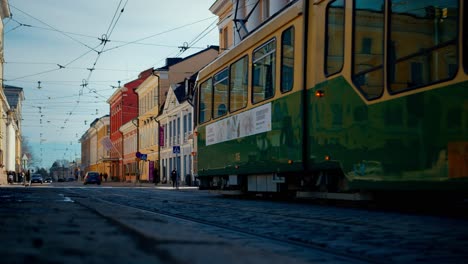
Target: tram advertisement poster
(248, 123)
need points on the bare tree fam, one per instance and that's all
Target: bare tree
(26, 149)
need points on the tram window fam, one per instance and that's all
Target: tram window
(239, 73)
(424, 38)
(368, 47)
(264, 65)
(287, 60)
(206, 94)
(465, 36)
(220, 85)
(334, 38)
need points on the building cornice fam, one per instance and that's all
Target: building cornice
(5, 9)
(220, 6)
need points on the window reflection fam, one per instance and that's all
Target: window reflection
(423, 43)
(264, 61)
(335, 37)
(287, 60)
(465, 38)
(220, 92)
(238, 78)
(368, 47)
(206, 91)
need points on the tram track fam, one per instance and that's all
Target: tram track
(306, 244)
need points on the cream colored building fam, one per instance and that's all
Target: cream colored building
(13, 153)
(94, 155)
(4, 107)
(176, 122)
(237, 18)
(148, 128)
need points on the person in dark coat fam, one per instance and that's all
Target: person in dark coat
(174, 179)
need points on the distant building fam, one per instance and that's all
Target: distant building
(130, 140)
(153, 95)
(177, 130)
(123, 108)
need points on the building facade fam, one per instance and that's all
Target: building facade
(94, 154)
(123, 108)
(148, 127)
(4, 107)
(130, 140)
(176, 123)
(13, 154)
(237, 18)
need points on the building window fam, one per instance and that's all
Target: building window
(369, 23)
(263, 72)
(334, 39)
(190, 122)
(366, 46)
(287, 60)
(185, 124)
(178, 130)
(426, 43)
(220, 85)
(225, 38)
(239, 75)
(265, 9)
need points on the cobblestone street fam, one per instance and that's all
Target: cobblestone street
(96, 224)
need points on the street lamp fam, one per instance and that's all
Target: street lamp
(25, 161)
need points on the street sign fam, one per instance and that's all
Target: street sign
(176, 149)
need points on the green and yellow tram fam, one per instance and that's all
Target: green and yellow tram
(334, 97)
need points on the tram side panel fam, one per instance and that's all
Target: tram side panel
(261, 141)
(408, 135)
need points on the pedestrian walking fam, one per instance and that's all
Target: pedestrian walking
(175, 182)
(28, 178)
(105, 176)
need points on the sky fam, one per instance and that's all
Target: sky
(68, 56)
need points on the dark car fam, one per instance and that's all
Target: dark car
(48, 180)
(36, 178)
(92, 177)
(60, 180)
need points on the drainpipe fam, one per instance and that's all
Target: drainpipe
(159, 125)
(137, 124)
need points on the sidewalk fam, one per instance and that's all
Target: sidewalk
(165, 186)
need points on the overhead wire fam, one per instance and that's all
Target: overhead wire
(62, 32)
(157, 34)
(112, 26)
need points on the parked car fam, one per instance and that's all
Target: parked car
(60, 180)
(92, 177)
(70, 179)
(36, 178)
(48, 180)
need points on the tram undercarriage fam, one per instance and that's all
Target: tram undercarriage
(319, 185)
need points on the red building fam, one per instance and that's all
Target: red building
(123, 108)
